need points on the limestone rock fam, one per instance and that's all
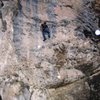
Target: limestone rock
(63, 67)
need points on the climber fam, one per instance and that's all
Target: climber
(45, 30)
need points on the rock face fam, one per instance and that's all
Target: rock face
(97, 10)
(64, 67)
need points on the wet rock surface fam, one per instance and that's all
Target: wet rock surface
(64, 67)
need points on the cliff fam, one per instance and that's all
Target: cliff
(64, 67)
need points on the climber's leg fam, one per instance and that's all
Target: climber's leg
(44, 37)
(48, 34)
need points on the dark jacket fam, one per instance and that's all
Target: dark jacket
(44, 28)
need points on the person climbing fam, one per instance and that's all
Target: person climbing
(45, 30)
(3, 22)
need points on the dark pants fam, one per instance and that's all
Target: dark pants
(44, 33)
